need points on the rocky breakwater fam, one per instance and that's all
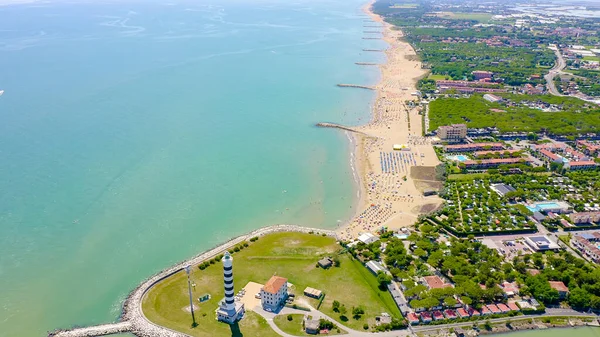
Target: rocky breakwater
(132, 317)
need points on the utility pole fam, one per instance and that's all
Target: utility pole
(187, 270)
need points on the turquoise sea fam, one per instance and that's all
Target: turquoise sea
(135, 134)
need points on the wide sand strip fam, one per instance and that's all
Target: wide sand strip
(389, 195)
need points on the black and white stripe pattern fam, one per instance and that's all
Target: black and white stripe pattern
(228, 281)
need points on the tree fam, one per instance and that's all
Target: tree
(383, 279)
(487, 325)
(420, 252)
(343, 312)
(290, 317)
(357, 312)
(579, 298)
(335, 306)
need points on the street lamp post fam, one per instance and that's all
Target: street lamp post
(187, 270)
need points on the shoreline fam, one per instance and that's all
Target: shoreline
(132, 319)
(384, 199)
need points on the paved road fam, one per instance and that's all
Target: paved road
(412, 330)
(557, 69)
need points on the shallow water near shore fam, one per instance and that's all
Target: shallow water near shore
(137, 134)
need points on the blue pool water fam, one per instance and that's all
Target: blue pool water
(539, 207)
(459, 158)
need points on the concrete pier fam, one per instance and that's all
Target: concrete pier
(342, 85)
(132, 318)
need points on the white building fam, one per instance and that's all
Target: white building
(367, 238)
(274, 293)
(492, 98)
(229, 310)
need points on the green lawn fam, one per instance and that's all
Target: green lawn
(481, 17)
(294, 327)
(438, 77)
(291, 255)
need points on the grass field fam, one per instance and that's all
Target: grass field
(291, 255)
(294, 327)
(438, 77)
(481, 17)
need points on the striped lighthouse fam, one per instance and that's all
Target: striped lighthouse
(229, 309)
(228, 281)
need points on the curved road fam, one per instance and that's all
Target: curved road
(556, 70)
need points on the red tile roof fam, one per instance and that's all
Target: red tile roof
(558, 285)
(582, 163)
(434, 282)
(550, 155)
(493, 308)
(485, 310)
(412, 317)
(503, 307)
(274, 284)
(513, 306)
(462, 312)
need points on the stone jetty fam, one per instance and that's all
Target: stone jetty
(132, 318)
(343, 85)
(366, 63)
(372, 32)
(377, 50)
(371, 38)
(338, 126)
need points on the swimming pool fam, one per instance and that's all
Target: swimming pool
(459, 158)
(543, 206)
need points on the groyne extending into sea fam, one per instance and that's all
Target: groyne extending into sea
(132, 318)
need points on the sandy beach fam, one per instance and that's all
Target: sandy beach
(392, 181)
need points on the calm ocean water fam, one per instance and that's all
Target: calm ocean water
(135, 134)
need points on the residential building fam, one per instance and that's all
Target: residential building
(582, 165)
(559, 286)
(426, 317)
(550, 157)
(481, 74)
(413, 318)
(474, 147)
(274, 293)
(452, 133)
(587, 147)
(462, 313)
(492, 163)
(584, 217)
